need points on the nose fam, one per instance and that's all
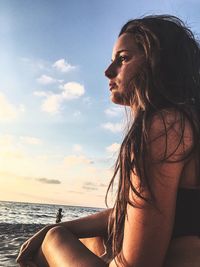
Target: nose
(110, 72)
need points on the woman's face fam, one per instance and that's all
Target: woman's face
(126, 62)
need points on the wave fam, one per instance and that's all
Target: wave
(15, 229)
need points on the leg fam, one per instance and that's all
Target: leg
(94, 244)
(62, 248)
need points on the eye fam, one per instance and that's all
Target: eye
(122, 59)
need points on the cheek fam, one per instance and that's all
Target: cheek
(127, 75)
(127, 81)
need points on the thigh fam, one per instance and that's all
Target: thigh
(94, 244)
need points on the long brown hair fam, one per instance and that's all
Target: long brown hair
(169, 78)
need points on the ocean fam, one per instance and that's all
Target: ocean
(19, 221)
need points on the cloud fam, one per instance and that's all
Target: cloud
(113, 127)
(91, 186)
(12, 154)
(44, 79)
(9, 148)
(114, 111)
(40, 93)
(7, 111)
(77, 148)
(72, 90)
(53, 102)
(63, 65)
(76, 160)
(103, 185)
(6, 140)
(35, 64)
(113, 148)
(9, 140)
(48, 181)
(30, 140)
(13, 147)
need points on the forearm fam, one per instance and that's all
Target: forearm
(90, 226)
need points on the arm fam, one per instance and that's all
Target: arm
(147, 231)
(90, 226)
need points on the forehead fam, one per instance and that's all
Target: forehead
(125, 42)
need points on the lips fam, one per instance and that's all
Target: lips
(112, 86)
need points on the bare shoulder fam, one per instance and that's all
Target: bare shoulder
(169, 135)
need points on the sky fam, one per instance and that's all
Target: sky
(59, 132)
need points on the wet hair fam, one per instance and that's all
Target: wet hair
(169, 79)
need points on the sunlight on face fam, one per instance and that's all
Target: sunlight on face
(127, 60)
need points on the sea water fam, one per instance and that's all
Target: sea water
(18, 221)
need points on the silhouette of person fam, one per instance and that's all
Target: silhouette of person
(59, 215)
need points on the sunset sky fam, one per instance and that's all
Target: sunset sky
(59, 132)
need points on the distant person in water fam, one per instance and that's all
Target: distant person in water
(59, 215)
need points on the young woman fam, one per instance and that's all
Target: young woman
(155, 221)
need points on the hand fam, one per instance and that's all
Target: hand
(31, 246)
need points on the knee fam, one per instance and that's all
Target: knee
(53, 237)
(55, 232)
(52, 240)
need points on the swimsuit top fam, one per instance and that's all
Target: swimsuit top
(187, 216)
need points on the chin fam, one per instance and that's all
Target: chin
(118, 99)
